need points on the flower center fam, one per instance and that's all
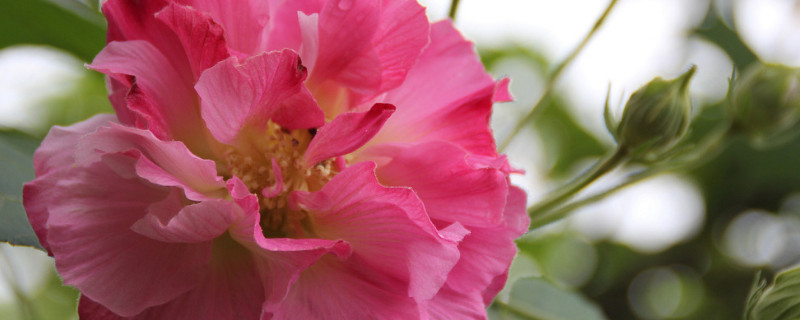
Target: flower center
(270, 163)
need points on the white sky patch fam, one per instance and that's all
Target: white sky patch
(771, 28)
(649, 216)
(29, 75)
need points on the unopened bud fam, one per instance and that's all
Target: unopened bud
(656, 116)
(765, 101)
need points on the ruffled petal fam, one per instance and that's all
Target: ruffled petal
(166, 163)
(451, 183)
(486, 255)
(96, 251)
(346, 133)
(201, 37)
(388, 229)
(54, 155)
(168, 104)
(262, 88)
(244, 21)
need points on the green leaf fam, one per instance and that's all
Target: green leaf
(78, 31)
(781, 300)
(535, 298)
(16, 155)
(714, 29)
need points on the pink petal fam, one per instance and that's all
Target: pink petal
(388, 229)
(167, 163)
(58, 148)
(243, 21)
(452, 185)
(346, 28)
(277, 188)
(333, 290)
(95, 250)
(284, 28)
(171, 221)
(231, 289)
(346, 133)
(200, 36)
(265, 87)
(454, 304)
(135, 20)
(280, 261)
(369, 46)
(446, 96)
(501, 92)
(54, 156)
(169, 96)
(486, 255)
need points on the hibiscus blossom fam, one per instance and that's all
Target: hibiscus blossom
(281, 160)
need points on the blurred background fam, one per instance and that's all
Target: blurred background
(681, 245)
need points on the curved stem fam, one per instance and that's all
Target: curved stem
(554, 76)
(714, 143)
(587, 177)
(453, 9)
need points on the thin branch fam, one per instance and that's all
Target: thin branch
(554, 76)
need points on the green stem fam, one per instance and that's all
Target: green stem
(554, 76)
(453, 9)
(619, 156)
(714, 143)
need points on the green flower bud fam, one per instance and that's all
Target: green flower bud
(656, 116)
(765, 101)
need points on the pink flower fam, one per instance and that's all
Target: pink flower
(237, 182)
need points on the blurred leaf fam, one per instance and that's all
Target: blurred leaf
(566, 140)
(16, 155)
(534, 298)
(781, 300)
(81, 33)
(715, 30)
(53, 301)
(89, 97)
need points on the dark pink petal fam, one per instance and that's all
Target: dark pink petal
(346, 133)
(167, 163)
(135, 20)
(501, 92)
(388, 229)
(96, 251)
(333, 290)
(346, 29)
(243, 21)
(169, 99)
(202, 38)
(453, 304)
(368, 46)
(446, 96)
(452, 185)
(486, 255)
(265, 87)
